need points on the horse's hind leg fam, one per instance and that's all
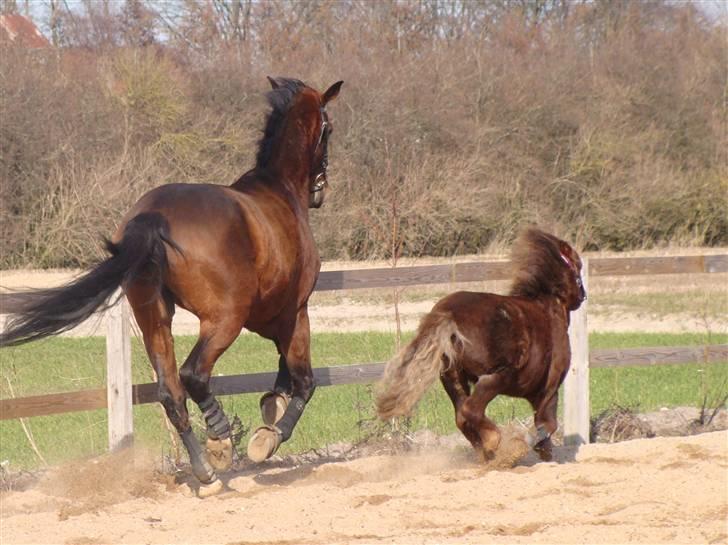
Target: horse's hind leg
(215, 338)
(153, 314)
(544, 405)
(458, 389)
(473, 412)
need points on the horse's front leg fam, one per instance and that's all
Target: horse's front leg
(295, 349)
(273, 404)
(546, 424)
(544, 405)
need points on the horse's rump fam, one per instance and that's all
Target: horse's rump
(411, 372)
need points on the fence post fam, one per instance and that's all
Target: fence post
(576, 385)
(118, 376)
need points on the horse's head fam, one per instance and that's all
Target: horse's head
(546, 265)
(304, 110)
(575, 294)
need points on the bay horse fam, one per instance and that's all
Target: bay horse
(483, 345)
(235, 256)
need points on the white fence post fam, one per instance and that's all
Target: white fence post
(118, 376)
(576, 385)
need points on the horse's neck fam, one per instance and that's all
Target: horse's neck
(269, 180)
(558, 311)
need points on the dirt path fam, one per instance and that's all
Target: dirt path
(663, 490)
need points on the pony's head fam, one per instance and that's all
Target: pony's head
(546, 265)
(297, 107)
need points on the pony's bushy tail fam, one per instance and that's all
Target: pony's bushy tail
(408, 375)
(46, 312)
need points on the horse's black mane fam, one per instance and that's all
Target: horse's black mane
(280, 100)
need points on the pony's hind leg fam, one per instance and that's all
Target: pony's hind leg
(153, 313)
(458, 389)
(472, 411)
(215, 338)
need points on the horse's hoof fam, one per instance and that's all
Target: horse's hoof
(219, 453)
(544, 450)
(207, 490)
(492, 440)
(272, 407)
(264, 443)
(486, 456)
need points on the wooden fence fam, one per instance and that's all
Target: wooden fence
(120, 394)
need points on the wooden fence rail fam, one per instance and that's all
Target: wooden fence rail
(362, 373)
(121, 394)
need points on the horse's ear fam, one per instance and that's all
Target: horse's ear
(273, 83)
(331, 93)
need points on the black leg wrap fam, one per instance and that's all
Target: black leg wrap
(290, 417)
(200, 467)
(218, 426)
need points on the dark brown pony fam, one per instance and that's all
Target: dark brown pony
(483, 345)
(235, 256)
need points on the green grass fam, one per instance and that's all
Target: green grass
(341, 413)
(698, 303)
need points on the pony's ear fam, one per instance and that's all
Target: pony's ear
(331, 93)
(273, 83)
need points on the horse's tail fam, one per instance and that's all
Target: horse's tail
(46, 312)
(408, 375)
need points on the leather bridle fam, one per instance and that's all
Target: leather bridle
(320, 179)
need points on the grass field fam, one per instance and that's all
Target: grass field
(341, 413)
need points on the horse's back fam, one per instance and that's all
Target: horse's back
(228, 243)
(502, 331)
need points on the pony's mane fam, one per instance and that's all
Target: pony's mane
(280, 100)
(538, 267)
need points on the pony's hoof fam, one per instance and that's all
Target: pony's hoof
(544, 450)
(272, 407)
(264, 443)
(486, 456)
(219, 453)
(207, 490)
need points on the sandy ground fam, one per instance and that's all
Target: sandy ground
(663, 490)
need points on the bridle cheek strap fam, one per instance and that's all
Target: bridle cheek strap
(568, 262)
(319, 181)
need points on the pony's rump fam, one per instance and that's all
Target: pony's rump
(411, 372)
